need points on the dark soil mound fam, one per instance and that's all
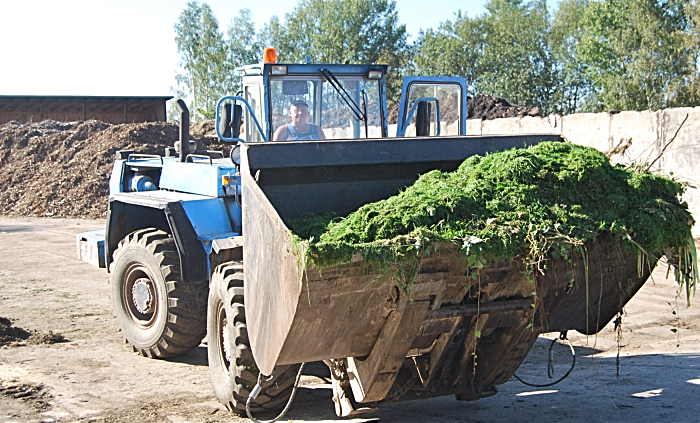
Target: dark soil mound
(16, 336)
(10, 334)
(481, 106)
(486, 107)
(205, 128)
(62, 169)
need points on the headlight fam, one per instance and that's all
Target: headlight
(278, 70)
(236, 155)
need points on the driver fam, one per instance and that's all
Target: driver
(299, 129)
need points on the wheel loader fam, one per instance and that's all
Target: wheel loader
(197, 247)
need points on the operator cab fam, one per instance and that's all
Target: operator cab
(345, 102)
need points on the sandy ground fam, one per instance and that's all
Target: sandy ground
(95, 377)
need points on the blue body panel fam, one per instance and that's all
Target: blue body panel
(196, 178)
(115, 180)
(209, 219)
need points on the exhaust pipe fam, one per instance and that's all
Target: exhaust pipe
(184, 129)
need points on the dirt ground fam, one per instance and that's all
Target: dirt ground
(93, 376)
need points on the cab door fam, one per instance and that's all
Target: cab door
(251, 93)
(432, 106)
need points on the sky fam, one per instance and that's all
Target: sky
(127, 47)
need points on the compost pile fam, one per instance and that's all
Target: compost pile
(486, 107)
(62, 169)
(481, 106)
(543, 201)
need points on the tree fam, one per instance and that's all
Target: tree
(516, 62)
(453, 49)
(269, 35)
(573, 89)
(202, 57)
(359, 31)
(504, 52)
(639, 53)
(242, 46)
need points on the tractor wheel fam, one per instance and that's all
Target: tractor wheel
(159, 314)
(231, 362)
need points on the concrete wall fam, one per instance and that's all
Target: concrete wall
(632, 137)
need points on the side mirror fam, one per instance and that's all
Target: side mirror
(423, 119)
(225, 121)
(236, 122)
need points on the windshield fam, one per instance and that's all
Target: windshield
(298, 100)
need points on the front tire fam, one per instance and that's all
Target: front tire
(231, 362)
(159, 314)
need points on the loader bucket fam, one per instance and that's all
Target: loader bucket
(293, 317)
(384, 343)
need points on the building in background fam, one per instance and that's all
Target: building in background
(114, 110)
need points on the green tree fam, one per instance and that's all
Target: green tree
(689, 89)
(202, 57)
(572, 88)
(453, 49)
(516, 62)
(504, 52)
(242, 46)
(269, 35)
(358, 31)
(639, 53)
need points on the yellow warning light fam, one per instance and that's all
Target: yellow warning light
(270, 55)
(229, 180)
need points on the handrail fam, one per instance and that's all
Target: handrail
(198, 156)
(143, 157)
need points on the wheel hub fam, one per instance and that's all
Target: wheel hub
(142, 295)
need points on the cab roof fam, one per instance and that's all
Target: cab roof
(315, 68)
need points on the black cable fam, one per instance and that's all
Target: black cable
(261, 384)
(550, 368)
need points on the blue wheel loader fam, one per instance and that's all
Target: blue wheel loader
(197, 246)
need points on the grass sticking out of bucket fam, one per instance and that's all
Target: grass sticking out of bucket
(530, 203)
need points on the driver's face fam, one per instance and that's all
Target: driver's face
(299, 114)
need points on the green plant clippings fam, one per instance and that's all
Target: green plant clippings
(536, 202)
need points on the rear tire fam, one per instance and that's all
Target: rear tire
(231, 362)
(159, 314)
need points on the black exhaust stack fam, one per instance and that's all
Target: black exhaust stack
(184, 129)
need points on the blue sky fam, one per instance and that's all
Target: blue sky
(127, 47)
